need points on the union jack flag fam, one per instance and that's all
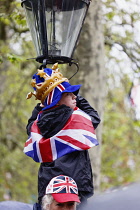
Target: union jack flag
(62, 184)
(78, 134)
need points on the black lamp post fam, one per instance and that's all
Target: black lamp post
(55, 26)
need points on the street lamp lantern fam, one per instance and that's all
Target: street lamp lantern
(55, 27)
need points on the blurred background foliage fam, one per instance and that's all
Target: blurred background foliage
(121, 142)
(121, 130)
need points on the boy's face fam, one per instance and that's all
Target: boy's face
(69, 99)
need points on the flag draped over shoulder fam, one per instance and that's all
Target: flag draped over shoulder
(78, 134)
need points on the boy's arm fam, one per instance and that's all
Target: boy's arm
(33, 117)
(83, 104)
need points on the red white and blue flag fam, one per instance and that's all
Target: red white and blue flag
(78, 134)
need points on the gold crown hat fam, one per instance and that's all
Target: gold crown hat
(49, 84)
(45, 81)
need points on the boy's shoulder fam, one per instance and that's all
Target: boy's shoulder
(60, 109)
(56, 112)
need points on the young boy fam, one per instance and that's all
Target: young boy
(56, 115)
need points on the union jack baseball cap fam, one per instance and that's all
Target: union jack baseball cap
(63, 189)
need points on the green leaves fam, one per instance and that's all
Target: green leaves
(13, 58)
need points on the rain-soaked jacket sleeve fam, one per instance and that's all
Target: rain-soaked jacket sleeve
(33, 117)
(84, 105)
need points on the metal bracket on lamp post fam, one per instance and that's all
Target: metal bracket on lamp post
(76, 64)
(60, 60)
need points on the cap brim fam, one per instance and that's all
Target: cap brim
(65, 197)
(72, 89)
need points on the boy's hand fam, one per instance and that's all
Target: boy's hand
(41, 105)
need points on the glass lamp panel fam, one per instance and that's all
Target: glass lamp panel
(32, 24)
(34, 16)
(64, 19)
